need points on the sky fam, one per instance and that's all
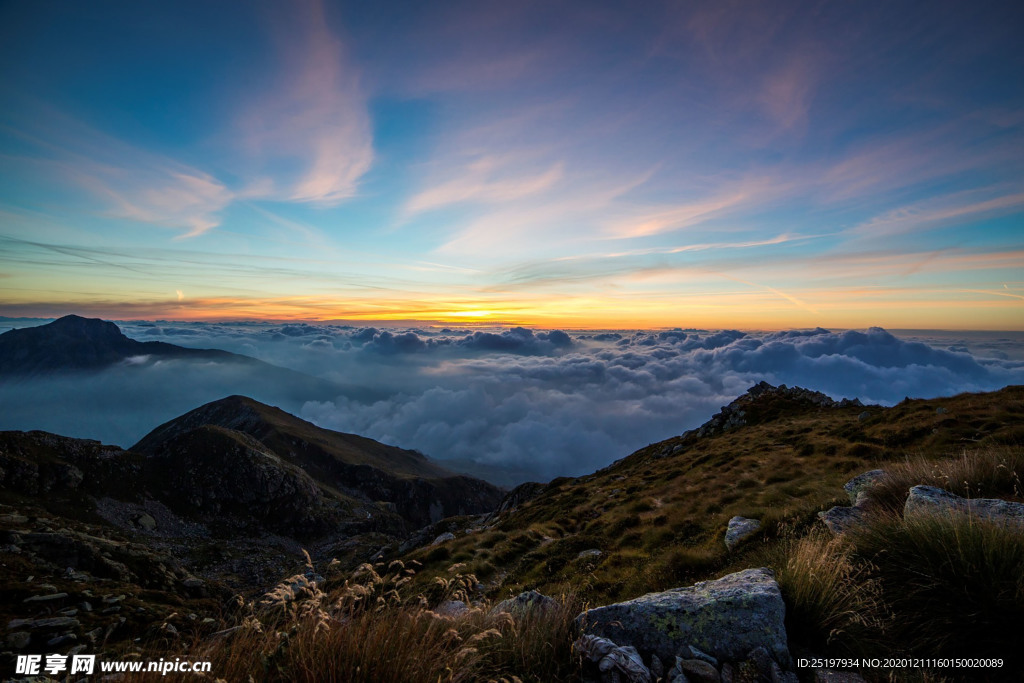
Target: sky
(573, 165)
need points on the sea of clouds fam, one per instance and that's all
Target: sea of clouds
(558, 403)
(547, 403)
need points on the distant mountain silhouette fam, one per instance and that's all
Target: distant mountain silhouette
(75, 343)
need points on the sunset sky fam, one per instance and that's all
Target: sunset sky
(554, 164)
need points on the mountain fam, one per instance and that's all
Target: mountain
(176, 540)
(75, 343)
(418, 489)
(656, 519)
(233, 473)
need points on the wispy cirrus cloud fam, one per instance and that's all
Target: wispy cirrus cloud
(130, 182)
(486, 179)
(313, 110)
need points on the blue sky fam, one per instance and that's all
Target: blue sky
(717, 164)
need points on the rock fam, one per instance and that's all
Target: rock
(726, 618)
(19, 640)
(863, 416)
(452, 608)
(699, 671)
(697, 654)
(675, 674)
(627, 663)
(657, 668)
(13, 518)
(46, 598)
(593, 553)
(941, 411)
(192, 583)
(443, 538)
(839, 520)
(727, 673)
(50, 622)
(525, 602)
(925, 500)
(832, 676)
(862, 483)
(761, 660)
(623, 663)
(146, 522)
(739, 529)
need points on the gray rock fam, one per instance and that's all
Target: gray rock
(593, 553)
(863, 482)
(839, 520)
(145, 521)
(613, 661)
(864, 416)
(725, 618)
(46, 598)
(832, 676)
(941, 411)
(657, 668)
(443, 538)
(525, 602)
(699, 671)
(192, 583)
(675, 674)
(727, 673)
(740, 529)
(452, 608)
(930, 500)
(697, 654)
(762, 661)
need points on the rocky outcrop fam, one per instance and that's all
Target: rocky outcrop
(739, 530)
(841, 519)
(524, 603)
(930, 500)
(516, 497)
(760, 402)
(612, 661)
(863, 483)
(726, 618)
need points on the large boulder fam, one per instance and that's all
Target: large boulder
(739, 530)
(525, 603)
(839, 520)
(726, 618)
(863, 483)
(930, 500)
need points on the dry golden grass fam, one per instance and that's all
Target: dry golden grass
(831, 597)
(370, 630)
(994, 471)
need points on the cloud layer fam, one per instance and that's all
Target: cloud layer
(550, 402)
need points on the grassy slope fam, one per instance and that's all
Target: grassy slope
(659, 522)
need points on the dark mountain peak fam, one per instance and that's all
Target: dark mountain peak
(420, 489)
(69, 343)
(95, 328)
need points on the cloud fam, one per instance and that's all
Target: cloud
(315, 111)
(484, 180)
(551, 402)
